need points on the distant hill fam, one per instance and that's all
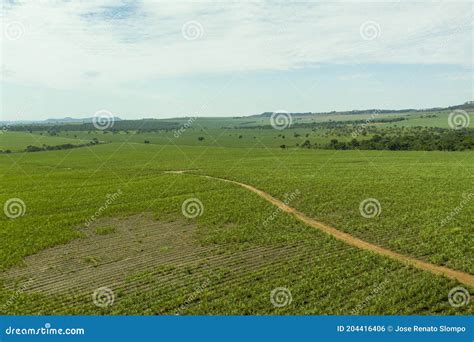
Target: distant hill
(72, 120)
(65, 120)
(465, 106)
(469, 105)
(171, 123)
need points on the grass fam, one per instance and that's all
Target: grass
(229, 132)
(217, 137)
(106, 230)
(18, 141)
(62, 190)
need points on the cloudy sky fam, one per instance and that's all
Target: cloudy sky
(170, 58)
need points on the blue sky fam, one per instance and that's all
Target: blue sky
(165, 59)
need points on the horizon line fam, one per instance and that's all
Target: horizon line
(470, 102)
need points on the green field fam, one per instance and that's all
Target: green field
(288, 170)
(110, 216)
(18, 141)
(246, 132)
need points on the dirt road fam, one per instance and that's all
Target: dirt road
(462, 277)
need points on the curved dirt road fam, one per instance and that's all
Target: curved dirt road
(462, 277)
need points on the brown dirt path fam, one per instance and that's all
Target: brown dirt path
(462, 277)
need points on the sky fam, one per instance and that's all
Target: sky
(165, 59)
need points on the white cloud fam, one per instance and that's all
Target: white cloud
(351, 77)
(69, 45)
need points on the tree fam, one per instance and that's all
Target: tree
(355, 143)
(31, 148)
